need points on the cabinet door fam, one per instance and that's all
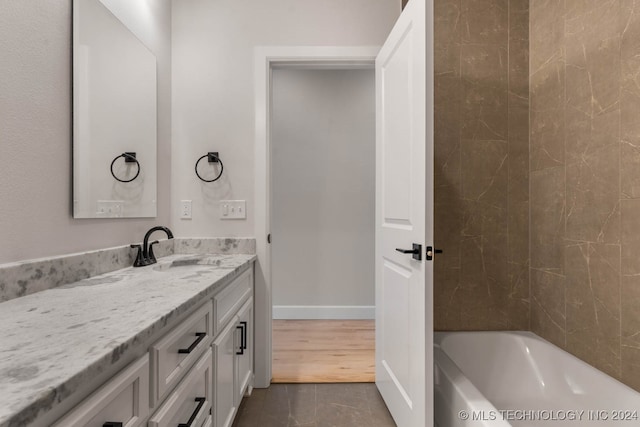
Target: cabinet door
(224, 353)
(244, 356)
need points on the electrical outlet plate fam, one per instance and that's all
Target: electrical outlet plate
(233, 209)
(185, 209)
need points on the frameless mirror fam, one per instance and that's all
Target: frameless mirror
(114, 117)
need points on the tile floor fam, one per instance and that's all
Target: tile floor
(314, 405)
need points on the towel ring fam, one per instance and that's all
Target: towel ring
(129, 157)
(212, 157)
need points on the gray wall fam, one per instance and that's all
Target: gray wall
(35, 133)
(323, 180)
(213, 87)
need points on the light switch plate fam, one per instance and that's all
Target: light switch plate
(233, 209)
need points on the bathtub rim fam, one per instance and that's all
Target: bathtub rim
(438, 336)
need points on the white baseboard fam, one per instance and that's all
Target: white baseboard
(337, 312)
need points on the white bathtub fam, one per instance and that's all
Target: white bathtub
(501, 379)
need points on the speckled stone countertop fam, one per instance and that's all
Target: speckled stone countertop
(53, 341)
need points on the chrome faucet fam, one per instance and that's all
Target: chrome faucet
(145, 251)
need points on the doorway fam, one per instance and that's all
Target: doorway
(267, 60)
(323, 224)
(404, 111)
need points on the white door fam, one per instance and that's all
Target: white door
(404, 216)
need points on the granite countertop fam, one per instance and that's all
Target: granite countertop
(53, 341)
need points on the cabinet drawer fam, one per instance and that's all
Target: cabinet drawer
(173, 355)
(230, 299)
(124, 399)
(190, 403)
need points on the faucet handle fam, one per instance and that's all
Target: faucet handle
(139, 262)
(152, 257)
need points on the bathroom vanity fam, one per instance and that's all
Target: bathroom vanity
(164, 345)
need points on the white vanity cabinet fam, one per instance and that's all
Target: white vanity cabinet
(194, 374)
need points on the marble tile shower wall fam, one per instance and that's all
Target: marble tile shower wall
(585, 180)
(481, 164)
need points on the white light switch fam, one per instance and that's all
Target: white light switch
(185, 209)
(233, 209)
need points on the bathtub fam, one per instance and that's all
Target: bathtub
(501, 379)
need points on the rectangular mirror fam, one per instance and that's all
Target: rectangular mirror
(114, 117)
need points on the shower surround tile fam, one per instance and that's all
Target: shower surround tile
(593, 304)
(592, 176)
(28, 277)
(548, 198)
(485, 21)
(518, 202)
(447, 299)
(548, 318)
(484, 106)
(547, 128)
(447, 15)
(481, 164)
(585, 156)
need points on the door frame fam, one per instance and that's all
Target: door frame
(265, 59)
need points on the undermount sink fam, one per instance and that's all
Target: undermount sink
(186, 262)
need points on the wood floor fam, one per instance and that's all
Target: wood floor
(323, 351)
